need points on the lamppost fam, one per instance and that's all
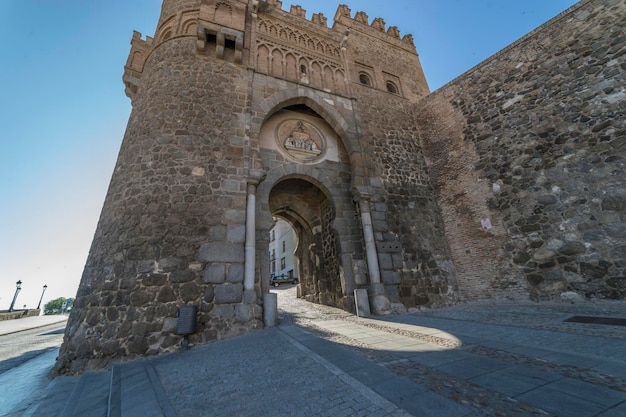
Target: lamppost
(18, 284)
(45, 287)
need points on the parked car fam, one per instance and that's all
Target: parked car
(276, 280)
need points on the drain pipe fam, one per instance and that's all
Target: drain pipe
(379, 303)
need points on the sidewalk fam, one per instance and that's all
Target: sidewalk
(18, 325)
(467, 361)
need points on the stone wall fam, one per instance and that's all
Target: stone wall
(18, 314)
(412, 249)
(526, 154)
(413, 256)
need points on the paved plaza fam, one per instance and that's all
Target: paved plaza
(481, 359)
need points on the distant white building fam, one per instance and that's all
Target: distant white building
(281, 248)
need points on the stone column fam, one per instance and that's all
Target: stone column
(250, 248)
(379, 303)
(249, 295)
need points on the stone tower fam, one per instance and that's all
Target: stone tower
(242, 112)
(507, 183)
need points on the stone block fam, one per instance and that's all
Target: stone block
(571, 297)
(140, 298)
(617, 230)
(388, 247)
(243, 313)
(362, 303)
(169, 324)
(146, 266)
(190, 291)
(390, 277)
(237, 234)
(572, 248)
(235, 273)
(169, 264)
(215, 274)
(166, 294)
(228, 293)
(249, 296)
(223, 311)
(182, 276)
(221, 252)
(217, 233)
(153, 280)
(385, 261)
(398, 260)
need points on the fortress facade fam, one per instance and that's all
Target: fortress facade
(507, 183)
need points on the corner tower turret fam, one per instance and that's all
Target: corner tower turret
(217, 25)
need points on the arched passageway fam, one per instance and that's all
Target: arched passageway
(308, 182)
(311, 214)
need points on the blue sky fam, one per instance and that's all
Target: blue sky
(63, 111)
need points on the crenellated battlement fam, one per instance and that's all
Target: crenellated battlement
(140, 49)
(286, 44)
(343, 19)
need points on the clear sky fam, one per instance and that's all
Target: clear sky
(63, 111)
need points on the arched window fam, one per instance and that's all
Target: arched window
(391, 88)
(364, 79)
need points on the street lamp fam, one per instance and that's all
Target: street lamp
(18, 284)
(45, 287)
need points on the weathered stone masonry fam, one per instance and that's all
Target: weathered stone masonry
(534, 140)
(506, 183)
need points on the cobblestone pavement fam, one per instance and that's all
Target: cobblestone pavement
(530, 321)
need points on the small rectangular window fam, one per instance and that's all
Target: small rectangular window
(229, 44)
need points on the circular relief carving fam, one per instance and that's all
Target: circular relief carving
(300, 140)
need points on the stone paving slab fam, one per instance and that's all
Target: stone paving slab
(542, 391)
(137, 391)
(91, 396)
(265, 374)
(56, 396)
(403, 393)
(501, 336)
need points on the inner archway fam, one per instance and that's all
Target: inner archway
(311, 215)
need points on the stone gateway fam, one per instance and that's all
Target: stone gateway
(507, 183)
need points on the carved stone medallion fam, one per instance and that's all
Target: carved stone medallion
(300, 140)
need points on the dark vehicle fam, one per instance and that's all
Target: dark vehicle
(276, 280)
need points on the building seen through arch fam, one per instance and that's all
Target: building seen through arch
(283, 241)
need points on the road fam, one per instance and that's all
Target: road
(20, 347)
(26, 356)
